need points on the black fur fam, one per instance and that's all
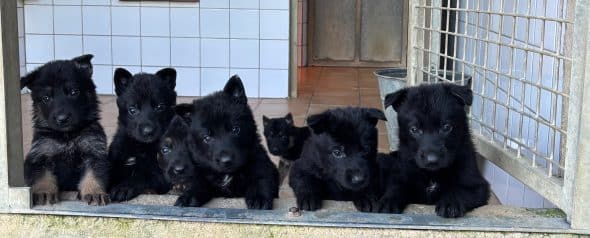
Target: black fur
(176, 152)
(229, 157)
(146, 106)
(68, 141)
(436, 161)
(284, 139)
(338, 160)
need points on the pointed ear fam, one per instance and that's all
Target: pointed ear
(289, 118)
(463, 93)
(122, 80)
(29, 79)
(395, 99)
(177, 123)
(235, 89)
(374, 115)
(265, 120)
(83, 63)
(184, 111)
(168, 75)
(317, 122)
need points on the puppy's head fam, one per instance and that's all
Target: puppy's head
(145, 102)
(278, 133)
(176, 152)
(432, 122)
(346, 142)
(64, 96)
(223, 126)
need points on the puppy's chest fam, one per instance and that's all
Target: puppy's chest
(228, 184)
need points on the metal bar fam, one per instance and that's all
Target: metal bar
(503, 14)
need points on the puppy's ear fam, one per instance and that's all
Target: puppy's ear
(235, 89)
(462, 93)
(265, 120)
(317, 122)
(184, 111)
(122, 80)
(396, 99)
(374, 115)
(83, 63)
(29, 79)
(289, 118)
(178, 125)
(168, 75)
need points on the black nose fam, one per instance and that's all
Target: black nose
(357, 179)
(431, 158)
(178, 169)
(225, 159)
(147, 131)
(274, 149)
(62, 119)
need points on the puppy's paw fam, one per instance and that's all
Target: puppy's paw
(45, 197)
(390, 205)
(124, 192)
(259, 203)
(188, 200)
(366, 204)
(45, 190)
(92, 191)
(97, 199)
(309, 203)
(450, 208)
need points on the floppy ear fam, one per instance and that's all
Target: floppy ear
(83, 63)
(289, 118)
(168, 75)
(374, 115)
(29, 79)
(122, 80)
(235, 89)
(395, 99)
(184, 111)
(265, 120)
(463, 93)
(317, 122)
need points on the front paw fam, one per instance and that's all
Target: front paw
(189, 200)
(366, 204)
(390, 205)
(45, 197)
(309, 203)
(259, 203)
(97, 199)
(450, 208)
(124, 192)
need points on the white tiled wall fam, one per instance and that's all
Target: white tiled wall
(205, 42)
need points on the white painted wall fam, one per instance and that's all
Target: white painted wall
(206, 42)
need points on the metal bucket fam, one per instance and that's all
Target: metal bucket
(391, 80)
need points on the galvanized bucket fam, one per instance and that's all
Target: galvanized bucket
(391, 80)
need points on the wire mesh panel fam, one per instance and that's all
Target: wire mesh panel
(517, 53)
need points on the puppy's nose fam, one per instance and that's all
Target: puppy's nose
(356, 179)
(62, 118)
(274, 149)
(225, 159)
(431, 158)
(178, 169)
(147, 130)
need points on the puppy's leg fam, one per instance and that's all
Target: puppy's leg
(307, 188)
(284, 167)
(198, 193)
(394, 200)
(457, 201)
(92, 189)
(264, 186)
(45, 189)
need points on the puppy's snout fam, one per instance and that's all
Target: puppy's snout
(179, 169)
(147, 130)
(225, 159)
(274, 149)
(357, 179)
(63, 118)
(431, 158)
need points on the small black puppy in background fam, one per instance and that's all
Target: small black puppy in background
(176, 153)
(436, 161)
(146, 106)
(229, 158)
(284, 139)
(69, 148)
(338, 160)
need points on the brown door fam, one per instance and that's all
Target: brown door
(367, 33)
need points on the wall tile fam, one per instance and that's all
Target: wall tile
(214, 3)
(213, 79)
(274, 4)
(244, 53)
(185, 52)
(188, 81)
(244, 23)
(250, 79)
(155, 51)
(38, 19)
(215, 53)
(274, 83)
(96, 20)
(274, 54)
(272, 24)
(126, 21)
(184, 22)
(20, 15)
(249, 4)
(67, 47)
(100, 47)
(39, 48)
(67, 19)
(103, 79)
(96, 2)
(214, 23)
(126, 50)
(67, 2)
(156, 21)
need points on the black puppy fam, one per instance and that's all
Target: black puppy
(436, 161)
(229, 157)
(175, 155)
(68, 151)
(284, 139)
(146, 106)
(338, 160)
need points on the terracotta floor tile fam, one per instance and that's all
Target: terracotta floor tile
(374, 102)
(336, 100)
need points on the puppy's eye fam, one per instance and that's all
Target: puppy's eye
(74, 92)
(446, 128)
(160, 107)
(415, 131)
(45, 99)
(235, 130)
(132, 110)
(165, 150)
(338, 152)
(207, 139)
